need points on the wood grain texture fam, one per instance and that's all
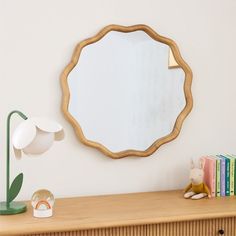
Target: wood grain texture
(185, 228)
(162, 212)
(187, 91)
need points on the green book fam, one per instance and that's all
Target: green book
(231, 173)
(234, 174)
(234, 156)
(227, 176)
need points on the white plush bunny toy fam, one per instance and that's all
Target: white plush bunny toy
(197, 189)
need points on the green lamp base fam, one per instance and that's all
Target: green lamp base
(14, 208)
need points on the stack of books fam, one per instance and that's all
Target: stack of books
(220, 174)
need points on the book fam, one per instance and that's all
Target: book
(227, 176)
(232, 164)
(222, 176)
(217, 178)
(231, 173)
(210, 173)
(234, 174)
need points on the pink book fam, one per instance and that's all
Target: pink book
(210, 173)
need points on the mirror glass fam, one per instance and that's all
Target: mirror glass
(126, 91)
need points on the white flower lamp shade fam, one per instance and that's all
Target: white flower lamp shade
(35, 136)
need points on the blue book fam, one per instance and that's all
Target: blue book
(227, 175)
(222, 175)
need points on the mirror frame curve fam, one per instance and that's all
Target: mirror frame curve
(181, 117)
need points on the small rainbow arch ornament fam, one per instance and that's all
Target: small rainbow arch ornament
(42, 202)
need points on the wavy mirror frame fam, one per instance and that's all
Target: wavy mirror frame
(187, 91)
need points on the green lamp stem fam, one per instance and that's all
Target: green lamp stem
(23, 116)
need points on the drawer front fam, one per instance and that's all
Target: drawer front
(214, 227)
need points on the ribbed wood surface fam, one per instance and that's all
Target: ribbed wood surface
(185, 228)
(125, 210)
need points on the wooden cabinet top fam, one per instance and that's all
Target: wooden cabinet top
(118, 210)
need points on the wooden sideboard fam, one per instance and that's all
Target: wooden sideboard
(152, 214)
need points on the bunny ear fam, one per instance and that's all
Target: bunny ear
(202, 163)
(17, 153)
(192, 164)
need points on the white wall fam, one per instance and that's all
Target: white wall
(36, 42)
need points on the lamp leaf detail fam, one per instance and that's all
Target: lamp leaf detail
(15, 187)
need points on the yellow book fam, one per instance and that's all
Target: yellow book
(217, 177)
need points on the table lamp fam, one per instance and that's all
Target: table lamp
(33, 136)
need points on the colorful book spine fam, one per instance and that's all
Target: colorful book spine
(232, 161)
(227, 176)
(232, 174)
(217, 176)
(222, 176)
(210, 173)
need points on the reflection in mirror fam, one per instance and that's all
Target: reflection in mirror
(126, 91)
(123, 93)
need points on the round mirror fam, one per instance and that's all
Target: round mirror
(127, 91)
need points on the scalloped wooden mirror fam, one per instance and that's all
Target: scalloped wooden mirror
(126, 91)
